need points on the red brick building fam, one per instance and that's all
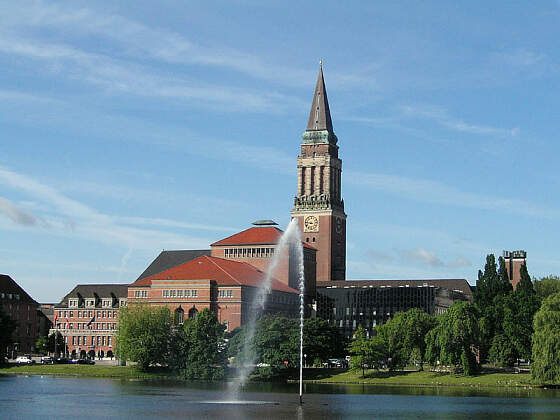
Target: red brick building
(226, 280)
(22, 308)
(87, 317)
(514, 260)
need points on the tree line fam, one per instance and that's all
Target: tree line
(201, 349)
(501, 326)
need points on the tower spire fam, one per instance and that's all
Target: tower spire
(320, 114)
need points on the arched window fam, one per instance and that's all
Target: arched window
(192, 313)
(179, 317)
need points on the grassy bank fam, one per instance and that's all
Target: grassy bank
(333, 376)
(490, 379)
(87, 370)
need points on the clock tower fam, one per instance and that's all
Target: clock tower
(318, 204)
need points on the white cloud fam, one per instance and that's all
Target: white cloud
(442, 117)
(67, 217)
(438, 193)
(16, 214)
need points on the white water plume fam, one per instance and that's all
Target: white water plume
(290, 238)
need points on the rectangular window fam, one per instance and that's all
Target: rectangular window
(144, 293)
(85, 340)
(180, 293)
(109, 314)
(79, 340)
(187, 293)
(195, 293)
(114, 314)
(98, 340)
(103, 340)
(166, 293)
(109, 341)
(73, 340)
(79, 314)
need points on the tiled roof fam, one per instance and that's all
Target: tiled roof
(8, 285)
(223, 272)
(169, 259)
(452, 284)
(95, 290)
(262, 235)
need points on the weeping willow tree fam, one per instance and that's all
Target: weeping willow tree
(546, 342)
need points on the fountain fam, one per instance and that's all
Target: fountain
(290, 238)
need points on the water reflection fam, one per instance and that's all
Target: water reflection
(57, 397)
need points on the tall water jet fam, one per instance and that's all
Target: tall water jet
(290, 239)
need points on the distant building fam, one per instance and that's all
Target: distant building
(87, 317)
(514, 260)
(368, 303)
(22, 308)
(45, 318)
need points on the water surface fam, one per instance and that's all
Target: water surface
(23, 397)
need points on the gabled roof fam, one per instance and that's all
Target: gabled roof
(452, 284)
(320, 114)
(169, 259)
(101, 291)
(261, 235)
(223, 272)
(9, 285)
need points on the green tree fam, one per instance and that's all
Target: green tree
(7, 328)
(59, 348)
(492, 287)
(322, 340)
(42, 345)
(503, 351)
(417, 324)
(546, 286)
(456, 337)
(519, 310)
(205, 347)
(546, 342)
(393, 335)
(277, 341)
(143, 335)
(366, 352)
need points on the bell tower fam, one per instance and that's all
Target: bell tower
(318, 204)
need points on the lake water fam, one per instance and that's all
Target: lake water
(30, 397)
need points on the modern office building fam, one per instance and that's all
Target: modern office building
(368, 303)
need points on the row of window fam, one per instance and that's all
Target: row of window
(171, 293)
(225, 293)
(78, 340)
(88, 314)
(141, 294)
(90, 302)
(248, 252)
(9, 296)
(93, 326)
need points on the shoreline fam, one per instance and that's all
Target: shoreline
(424, 379)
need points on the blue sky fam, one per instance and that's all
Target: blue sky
(131, 127)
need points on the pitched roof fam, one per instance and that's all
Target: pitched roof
(320, 114)
(452, 284)
(169, 259)
(261, 235)
(223, 272)
(9, 285)
(95, 290)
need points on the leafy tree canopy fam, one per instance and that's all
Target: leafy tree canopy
(546, 341)
(546, 286)
(455, 338)
(204, 346)
(143, 335)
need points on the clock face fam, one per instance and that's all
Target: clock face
(339, 225)
(311, 224)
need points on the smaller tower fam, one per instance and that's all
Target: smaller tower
(514, 260)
